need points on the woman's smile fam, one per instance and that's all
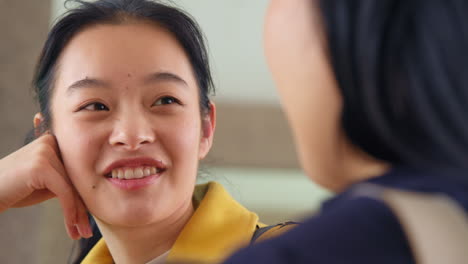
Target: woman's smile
(134, 173)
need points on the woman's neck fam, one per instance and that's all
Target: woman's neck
(359, 166)
(144, 243)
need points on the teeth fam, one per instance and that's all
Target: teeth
(133, 173)
(128, 174)
(138, 173)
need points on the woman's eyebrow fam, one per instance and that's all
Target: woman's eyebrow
(152, 78)
(163, 77)
(87, 83)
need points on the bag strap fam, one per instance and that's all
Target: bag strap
(435, 225)
(262, 233)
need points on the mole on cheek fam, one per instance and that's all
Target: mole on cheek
(94, 186)
(129, 75)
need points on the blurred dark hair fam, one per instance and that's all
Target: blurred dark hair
(402, 69)
(87, 14)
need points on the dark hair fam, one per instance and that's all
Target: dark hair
(401, 68)
(87, 14)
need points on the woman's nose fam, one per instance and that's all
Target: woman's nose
(132, 132)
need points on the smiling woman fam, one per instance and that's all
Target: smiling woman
(124, 119)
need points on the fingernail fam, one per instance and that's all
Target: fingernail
(89, 232)
(73, 232)
(85, 231)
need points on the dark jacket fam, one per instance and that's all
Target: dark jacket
(357, 230)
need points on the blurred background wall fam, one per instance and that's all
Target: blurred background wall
(23, 27)
(253, 153)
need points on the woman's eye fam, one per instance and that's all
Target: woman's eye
(167, 100)
(95, 107)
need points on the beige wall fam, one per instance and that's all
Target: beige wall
(23, 28)
(252, 135)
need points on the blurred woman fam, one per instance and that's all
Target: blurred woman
(375, 92)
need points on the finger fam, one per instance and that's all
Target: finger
(82, 222)
(55, 159)
(72, 231)
(83, 226)
(67, 198)
(51, 141)
(80, 225)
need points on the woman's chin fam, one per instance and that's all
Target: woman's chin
(133, 217)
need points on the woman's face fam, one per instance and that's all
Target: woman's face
(125, 111)
(294, 45)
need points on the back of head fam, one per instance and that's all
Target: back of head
(400, 66)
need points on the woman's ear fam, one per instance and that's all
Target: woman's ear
(38, 124)
(208, 126)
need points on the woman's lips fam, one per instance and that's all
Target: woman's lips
(132, 163)
(134, 173)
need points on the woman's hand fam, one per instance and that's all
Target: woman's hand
(34, 174)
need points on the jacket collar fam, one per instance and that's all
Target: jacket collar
(218, 227)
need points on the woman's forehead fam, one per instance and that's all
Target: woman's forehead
(116, 52)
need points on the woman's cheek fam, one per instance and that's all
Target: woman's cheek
(80, 150)
(187, 135)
